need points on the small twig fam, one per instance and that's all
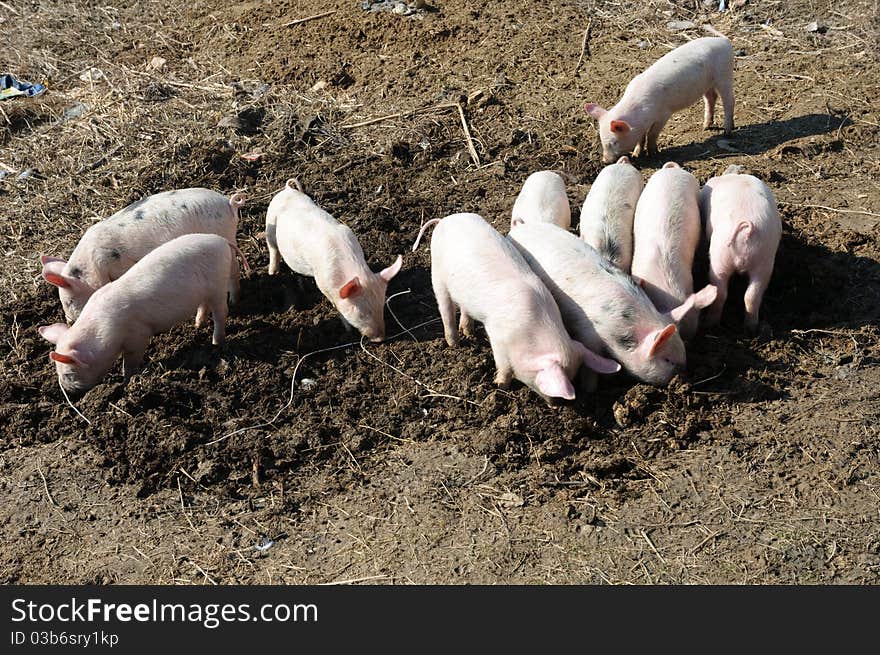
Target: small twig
(400, 114)
(467, 134)
(202, 571)
(6, 6)
(833, 209)
(585, 48)
(353, 580)
(713, 377)
(307, 18)
(653, 547)
(67, 398)
(46, 488)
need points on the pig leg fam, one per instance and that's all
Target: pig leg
(466, 324)
(725, 90)
(709, 99)
(234, 281)
(503, 369)
(447, 309)
(133, 352)
(274, 253)
(219, 312)
(758, 282)
(720, 281)
(652, 136)
(201, 315)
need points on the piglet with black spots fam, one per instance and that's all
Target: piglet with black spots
(314, 243)
(189, 275)
(110, 248)
(602, 307)
(608, 212)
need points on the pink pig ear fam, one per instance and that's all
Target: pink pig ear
(46, 259)
(52, 333)
(620, 127)
(551, 382)
(350, 288)
(596, 362)
(703, 298)
(64, 359)
(661, 337)
(388, 273)
(594, 110)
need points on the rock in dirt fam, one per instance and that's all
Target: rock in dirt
(816, 27)
(679, 25)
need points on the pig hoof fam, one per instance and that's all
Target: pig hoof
(452, 341)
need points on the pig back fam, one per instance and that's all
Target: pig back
(111, 247)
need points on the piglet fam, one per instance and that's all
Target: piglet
(542, 200)
(607, 215)
(478, 270)
(743, 228)
(109, 248)
(185, 276)
(666, 230)
(603, 307)
(702, 67)
(314, 243)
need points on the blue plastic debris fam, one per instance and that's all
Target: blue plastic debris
(11, 87)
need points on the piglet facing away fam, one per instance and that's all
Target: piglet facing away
(744, 228)
(607, 215)
(542, 200)
(314, 243)
(478, 270)
(602, 306)
(109, 248)
(666, 231)
(702, 67)
(189, 275)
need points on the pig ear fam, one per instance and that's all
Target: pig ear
(551, 382)
(594, 110)
(350, 288)
(596, 362)
(388, 273)
(671, 164)
(659, 338)
(52, 333)
(703, 298)
(52, 272)
(623, 160)
(64, 359)
(620, 127)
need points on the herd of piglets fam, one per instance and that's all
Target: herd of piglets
(558, 308)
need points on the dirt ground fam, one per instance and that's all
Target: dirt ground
(401, 462)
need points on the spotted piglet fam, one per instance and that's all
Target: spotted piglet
(602, 306)
(542, 200)
(189, 275)
(744, 228)
(607, 215)
(478, 270)
(109, 248)
(666, 231)
(314, 243)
